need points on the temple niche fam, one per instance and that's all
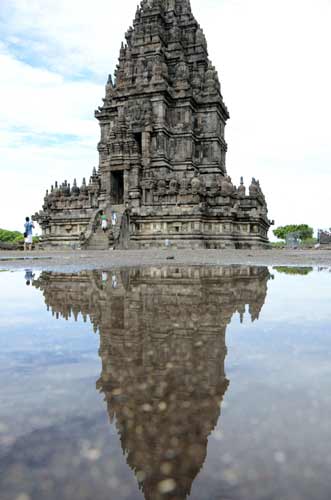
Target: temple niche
(162, 373)
(162, 150)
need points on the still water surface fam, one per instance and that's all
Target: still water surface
(166, 383)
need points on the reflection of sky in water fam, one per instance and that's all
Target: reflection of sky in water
(272, 440)
(275, 423)
(41, 360)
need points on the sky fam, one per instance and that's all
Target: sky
(273, 59)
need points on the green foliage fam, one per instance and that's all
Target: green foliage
(303, 230)
(277, 244)
(11, 236)
(309, 242)
(303, 271)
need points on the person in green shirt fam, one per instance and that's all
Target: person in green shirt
(104, 222)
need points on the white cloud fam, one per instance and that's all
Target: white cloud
(44, 102)
(272, 57)
(48, 132)
(71, 37)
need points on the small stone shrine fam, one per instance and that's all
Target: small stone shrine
(324, 237)
(162, 152)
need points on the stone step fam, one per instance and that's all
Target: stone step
(99, 249)
(97, 237)
(96, 247)
(99, 240)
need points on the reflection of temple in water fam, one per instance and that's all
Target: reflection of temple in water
(162, 346)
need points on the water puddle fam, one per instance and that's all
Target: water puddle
(166, 383)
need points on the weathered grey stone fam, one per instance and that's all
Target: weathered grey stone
(162, 151)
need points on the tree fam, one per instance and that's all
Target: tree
(10, 236)
(294, 270)
(303, 230)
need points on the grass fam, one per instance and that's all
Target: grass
(309, 242)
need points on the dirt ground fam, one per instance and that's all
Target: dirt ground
(71, 261)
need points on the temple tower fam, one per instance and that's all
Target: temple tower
(162, 151)
(163, 119)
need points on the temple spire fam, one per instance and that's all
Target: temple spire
(162, 119)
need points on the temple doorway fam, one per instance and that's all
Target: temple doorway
(117, 187)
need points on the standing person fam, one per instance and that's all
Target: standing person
(28, 227)
(29, 275)
(114, 219)
(104, 222)
(114, 281)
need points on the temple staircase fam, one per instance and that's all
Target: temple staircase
(113, 237)
(99, 240)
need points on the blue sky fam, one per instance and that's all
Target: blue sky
(273, 61)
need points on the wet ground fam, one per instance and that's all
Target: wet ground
(78, 260)
(199, 383)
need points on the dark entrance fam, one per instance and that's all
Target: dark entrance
(117, 183)
(138, 139)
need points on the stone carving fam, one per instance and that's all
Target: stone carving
(227, 188)
(161, 187)
(182, 73)
(184, 186)
(173, 186)
(195, 185)
(175, 32)
(196, 80)
(200, 38)
(212, 85)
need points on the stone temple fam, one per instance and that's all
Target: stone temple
(162, 152)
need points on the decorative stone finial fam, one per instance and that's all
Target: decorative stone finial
(75, 190)
(110, 80)
(253, 189)
(83, 189)
(242, 188)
